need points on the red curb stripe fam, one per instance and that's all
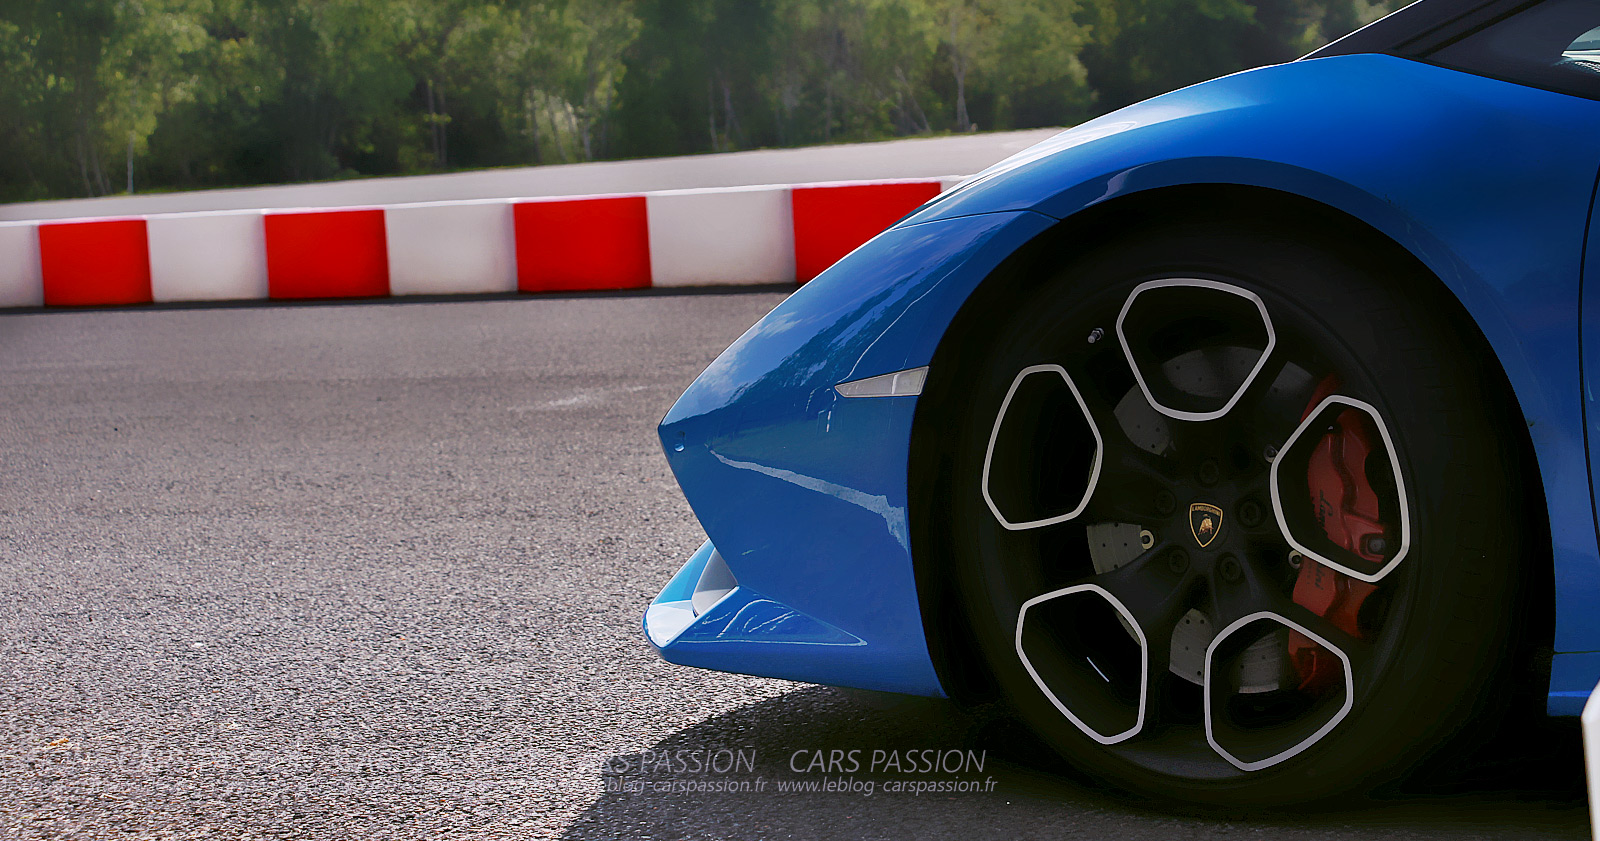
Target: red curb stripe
(578, 244)
(327, 254)
(830, 221)
(99, 263)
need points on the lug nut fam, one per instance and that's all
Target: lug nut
(1166, 503)
(1147, 538)
(1374, 544)
(1229, 567)
(1177, 560)
(1096, 335)
(1295, 558)
(1250, 513)
(1270, 453)
(1208, 472)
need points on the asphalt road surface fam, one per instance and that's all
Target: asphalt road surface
(917, 157)
(376, 571)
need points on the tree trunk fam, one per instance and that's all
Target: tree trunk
(442, 156)
(99, 171)
(580, 134)
(433, 123)
(921, 119)
(83, 157)
(711, 114)
(958, 68)
(533, 126)
(827, 109)
(962, 122)
(730, 120)
(591, 110)
(586, 136)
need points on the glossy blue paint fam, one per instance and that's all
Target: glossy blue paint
(1572, 679)
(804, 491)
(1573, 676)
(742, 627)
(1424, 155)
(1488, 183)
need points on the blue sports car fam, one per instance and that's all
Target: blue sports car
(1236, 440)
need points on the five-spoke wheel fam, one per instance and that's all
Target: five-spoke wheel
(1202, 497)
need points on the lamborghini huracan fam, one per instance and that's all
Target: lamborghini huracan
(1236, 441)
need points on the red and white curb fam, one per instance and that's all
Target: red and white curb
(735, 235)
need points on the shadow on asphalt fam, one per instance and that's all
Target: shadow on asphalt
(1020, 791)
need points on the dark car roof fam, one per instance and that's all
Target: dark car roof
(1423, 27)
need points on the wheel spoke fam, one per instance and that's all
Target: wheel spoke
(1094, 672)
(1360, 651)
(1251, 594)
(1131, 486)
(1194, 345)
(1044, 454)
(1341, 537)
(1157, 591)
(1273, 379)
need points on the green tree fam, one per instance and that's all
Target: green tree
(1139, 48)
(1034, 75)
(195, 93)
(88, 80)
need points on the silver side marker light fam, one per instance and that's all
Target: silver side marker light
(906, 383)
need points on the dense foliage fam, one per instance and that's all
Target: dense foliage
(164, 94)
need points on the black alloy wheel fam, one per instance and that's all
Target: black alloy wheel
(1236, 515)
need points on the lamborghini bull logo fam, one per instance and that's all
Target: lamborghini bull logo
(1204, 522)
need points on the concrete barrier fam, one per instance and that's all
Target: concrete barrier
(94, 262)
(728, 236)
(21, 283)
(327, 254)
(451, 248)
(207, 256)
(672, 238)
(600, 242)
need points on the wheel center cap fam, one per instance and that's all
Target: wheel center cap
(1205, 521)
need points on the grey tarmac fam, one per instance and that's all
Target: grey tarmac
(917, 157)
(376, 570)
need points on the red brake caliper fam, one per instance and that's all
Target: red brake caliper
(1347, 509)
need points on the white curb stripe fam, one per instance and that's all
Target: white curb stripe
(21, 281)
(211, 256)
(450, 248)
(730, 236)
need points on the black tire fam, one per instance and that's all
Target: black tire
(1433, 645)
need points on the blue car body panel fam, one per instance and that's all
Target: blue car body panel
(1488, 183)
(803, 491)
